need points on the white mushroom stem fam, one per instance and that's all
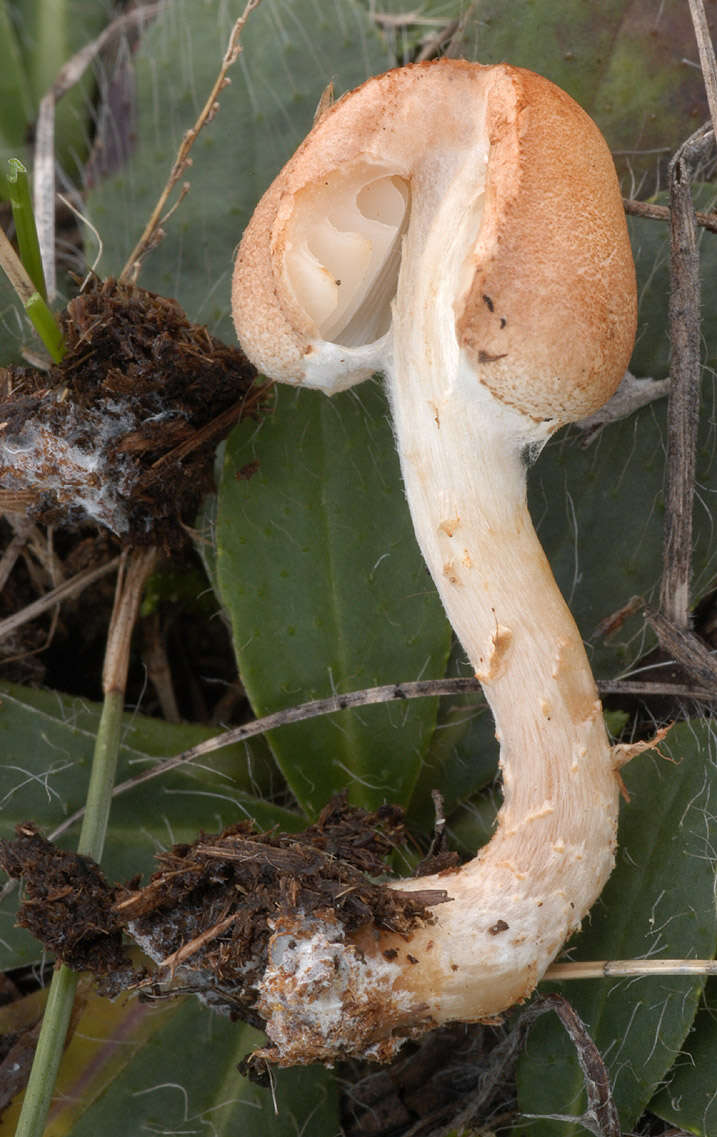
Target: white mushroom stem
(484, 201)
(518, 901)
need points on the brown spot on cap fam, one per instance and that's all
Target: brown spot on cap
(486, 357)
(498, 927)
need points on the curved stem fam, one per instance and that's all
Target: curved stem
(517, 902)
(511, 908)
(463, 456)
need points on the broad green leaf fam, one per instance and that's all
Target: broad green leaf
(622, 60)
(291, 50)
(106, 1036)
(651, 249)
(609, 495)
(658, 902)
(461, 761)
(49, 32)
(689, 1098)
(170, 1067)
(321, 576)
(462, 758)
(15, 330)
(407, 28)
(599, 514)
(47, 741)
(185, 1080)
(15, 100)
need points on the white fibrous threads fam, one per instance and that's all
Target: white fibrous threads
(322, 999)
(74, 465)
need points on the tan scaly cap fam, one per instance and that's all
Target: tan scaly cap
(548, 318)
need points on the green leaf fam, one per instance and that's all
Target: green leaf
(651, 249)
(14, 326)
(320, 573)
(622, 60)
(609, 496)
(49, 32)
(106, 1036)
(689, 1099)
(462, 758)
(47, 741)
(414, 25)
(16, 107)
(183, 1079)
(659, 902)
(291, 50)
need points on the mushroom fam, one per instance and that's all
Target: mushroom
(458, 227)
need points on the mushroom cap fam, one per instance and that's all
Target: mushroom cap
(549, 319)
(545, 304)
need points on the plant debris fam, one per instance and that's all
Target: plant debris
(68, 904)
(206, 915)
(123, 430)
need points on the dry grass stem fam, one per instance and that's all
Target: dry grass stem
(44, 154)
(686, 373)
(691, 654)
(14, 549)
(663, 213)
(707, 57)
(150, 233)
(69, 588)
(135, 567)
(605, 968)
(369, 696)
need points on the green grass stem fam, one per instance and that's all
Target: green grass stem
(41, 316)
(46, 326)
(48, 1055)
(24, 218)
(56, 1020)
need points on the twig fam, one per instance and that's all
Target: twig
(370, 696)
(683, 403)
(668, 690)
(187, 950)
(664, 213)
(130, 583)
(406, 20)
(156, 660)
(707, 57)
(71, 587)
(687, 650)
(44, 157)
(601, 1117)
(605, 968)
(13, 551)
(309, 710)
(181, 162)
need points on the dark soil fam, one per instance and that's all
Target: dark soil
(205, 913)
(122, 431)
